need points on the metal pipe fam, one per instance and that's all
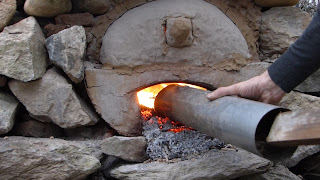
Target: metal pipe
(235, 120)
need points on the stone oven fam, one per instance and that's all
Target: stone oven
(194, 41)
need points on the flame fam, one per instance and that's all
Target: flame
(146, 97)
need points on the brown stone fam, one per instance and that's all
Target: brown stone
(129, 4)
(275, 3)
(33, 128)
(51, 29)
(80, 19)
(179, 32)
(116, 12)
(3, 81)
(95, 7)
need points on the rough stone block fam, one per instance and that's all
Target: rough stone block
(8, 111)
(52, 99)
(67, 50)
(23, 55)
(47, 159)
(280, 27)
(127, 148)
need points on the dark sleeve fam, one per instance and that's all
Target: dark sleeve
(300, 60)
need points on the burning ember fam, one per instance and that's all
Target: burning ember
(146, 98)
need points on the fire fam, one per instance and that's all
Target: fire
(146, 97)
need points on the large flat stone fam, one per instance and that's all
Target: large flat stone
(8, 111)
(213, 165)
(23, 55)
(52, 99)
(47, 159)
(7, 10)
(67, 50)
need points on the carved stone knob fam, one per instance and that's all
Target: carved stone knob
(179, 32)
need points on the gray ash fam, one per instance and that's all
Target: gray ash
(163, 143)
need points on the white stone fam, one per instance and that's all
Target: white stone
(67, 50)
(23, 55)
(52, 99)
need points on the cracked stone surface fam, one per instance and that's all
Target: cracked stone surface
(52, 99)
(48, 159)
(216, 38)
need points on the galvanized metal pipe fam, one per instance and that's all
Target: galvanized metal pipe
(237, 121)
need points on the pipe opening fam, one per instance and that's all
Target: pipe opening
(271, 152)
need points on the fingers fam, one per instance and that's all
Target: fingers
(223, 91)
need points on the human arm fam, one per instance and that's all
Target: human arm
(260, 88)
(295, 65)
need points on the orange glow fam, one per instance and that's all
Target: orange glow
(146, 97)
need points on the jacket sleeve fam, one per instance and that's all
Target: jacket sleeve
(300, 60)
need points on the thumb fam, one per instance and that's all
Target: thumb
(223, 91)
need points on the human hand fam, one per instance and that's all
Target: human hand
(260, 88)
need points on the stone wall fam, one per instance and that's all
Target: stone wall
(68, 102)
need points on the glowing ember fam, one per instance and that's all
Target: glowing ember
(146, 97)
